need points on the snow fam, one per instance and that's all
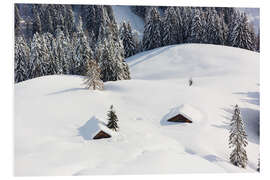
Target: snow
(53, 115)
(124, 13)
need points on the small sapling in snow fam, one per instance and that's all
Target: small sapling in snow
(112, 117)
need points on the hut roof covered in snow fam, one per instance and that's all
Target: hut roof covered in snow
(187, 111)
(94, 127)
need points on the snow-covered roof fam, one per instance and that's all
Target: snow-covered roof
(90, 129)
(187, 111)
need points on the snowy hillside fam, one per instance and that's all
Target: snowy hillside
(53, 113)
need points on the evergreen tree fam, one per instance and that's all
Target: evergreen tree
(238, 140)
(180, 26)
(152, 31)
(240, 34)
(17, 22)
(28, 30)
(112, 118)
(210, 24)
(138, 43)
(21, 59)
(110, 54)
(93, 80)
(70, 21)
(36, 27)
(82, 51)
(110, 57)
(228, 14)
(63, 52)
(47, 23)
(186, 15)
(89, 19)
(50, 44)
(127, 39)
(38, 57)
(197, 31)
(171, 27)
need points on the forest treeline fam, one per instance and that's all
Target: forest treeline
(65, 39)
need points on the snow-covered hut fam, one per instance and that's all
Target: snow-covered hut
(184, 113)
(95, 129)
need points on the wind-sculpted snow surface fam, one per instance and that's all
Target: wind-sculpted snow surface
(52, 115)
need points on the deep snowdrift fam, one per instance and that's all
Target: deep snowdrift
(50, 112)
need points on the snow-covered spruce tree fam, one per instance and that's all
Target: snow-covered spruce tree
(240, 34)
(179, 19)
(224, 31)
(210, 25)
(171, 27)
(197, 31)
(38, 57)
(112, 118)
(127, 39)
(36, 27)
(238, 140)
(17, 22)
(92, 80)
(89, 20)
(82, 53)
(70, 25)
(62, 52)
(186, 15)
(110, 54)
(50, 44)
(111, 61)
(47, 23)
(228, 15)
(152, 37)
(21, 59)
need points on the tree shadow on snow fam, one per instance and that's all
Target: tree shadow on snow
(251, 118)
(66, 91)
(227, 119)
(251, 97)
(213, 158)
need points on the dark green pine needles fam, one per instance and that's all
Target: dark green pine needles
(112, 118)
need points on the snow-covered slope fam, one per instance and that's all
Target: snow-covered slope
(50, 112)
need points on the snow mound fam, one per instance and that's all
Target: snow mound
(188, 111)
(90, 129)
